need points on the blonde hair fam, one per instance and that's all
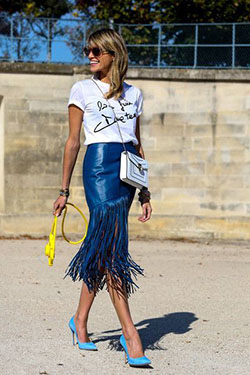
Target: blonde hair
(110, 40)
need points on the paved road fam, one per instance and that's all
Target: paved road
(192, 311)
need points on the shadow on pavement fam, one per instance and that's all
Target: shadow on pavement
(154, 329)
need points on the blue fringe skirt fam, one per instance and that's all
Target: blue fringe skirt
(105, 248)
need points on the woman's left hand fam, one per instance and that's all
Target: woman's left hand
(146, 212)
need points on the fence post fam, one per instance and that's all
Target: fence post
(48, 42)
(11, 40)
(84, 40)
(233, 46)
(159, 47)
(111, 23)
(196, 45)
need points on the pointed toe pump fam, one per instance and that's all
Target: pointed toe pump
(82, 345)
(134, 362)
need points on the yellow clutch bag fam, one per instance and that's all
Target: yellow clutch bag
(50, 247)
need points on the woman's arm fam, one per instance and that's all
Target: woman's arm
(71, 150)
(146, 207)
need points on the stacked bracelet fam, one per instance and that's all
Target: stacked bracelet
(64, 192)
(144, 196)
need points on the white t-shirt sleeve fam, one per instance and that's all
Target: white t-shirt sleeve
(139, 103)
(76, 96)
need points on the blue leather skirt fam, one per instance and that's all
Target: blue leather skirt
(104, 251)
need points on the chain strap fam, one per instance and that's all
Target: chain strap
(116, 119)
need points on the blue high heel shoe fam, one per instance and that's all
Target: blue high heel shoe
(136, 362)
(82, 345)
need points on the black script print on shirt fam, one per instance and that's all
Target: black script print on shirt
(108, 120)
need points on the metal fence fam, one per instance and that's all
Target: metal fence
(156, 45)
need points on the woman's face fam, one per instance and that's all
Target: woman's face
(100, 62)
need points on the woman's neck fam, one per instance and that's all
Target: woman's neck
(103, 77)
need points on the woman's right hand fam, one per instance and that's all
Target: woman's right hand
(59, 205)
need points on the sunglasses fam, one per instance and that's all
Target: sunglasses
(96, 51)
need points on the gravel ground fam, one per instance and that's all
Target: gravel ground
(192, 311)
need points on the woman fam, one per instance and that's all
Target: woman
(105, 101)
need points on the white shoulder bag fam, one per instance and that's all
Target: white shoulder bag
(133, 169)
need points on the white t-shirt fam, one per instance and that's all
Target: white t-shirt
(100, 124)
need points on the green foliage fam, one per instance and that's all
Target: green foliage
(137, 11)
(192, 11)
(166, 11)
(120, 11)
(134, 13)
(37, 8)
(13, 6)
(48, 8)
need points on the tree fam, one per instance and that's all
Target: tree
(194, 11)
(37, 8)
(13, 6)
(120, 11)
(44, 17)
(48, 8)
(166, 11)
(41, 19)
(15, 28)
(139, 12)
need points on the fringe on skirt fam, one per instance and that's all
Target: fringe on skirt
(104, 252)
(105, 249)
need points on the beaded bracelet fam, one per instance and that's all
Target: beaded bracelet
(144, 196)
(64, 192)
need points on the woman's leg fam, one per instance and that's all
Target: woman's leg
(82, 313)
(120, 301)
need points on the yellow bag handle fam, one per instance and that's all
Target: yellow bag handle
(84, 218)
(50, 247)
